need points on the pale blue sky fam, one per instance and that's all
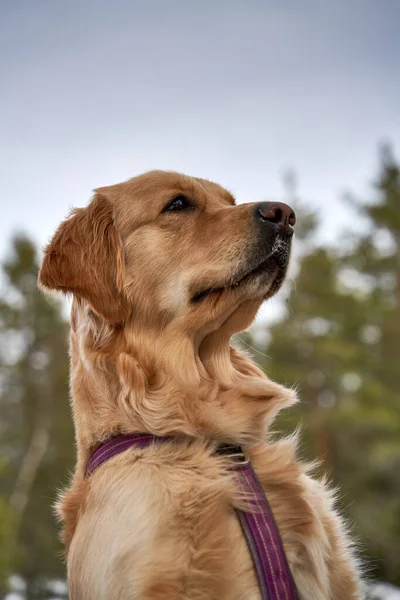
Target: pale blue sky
(94, 92)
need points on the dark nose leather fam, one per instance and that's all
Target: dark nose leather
(279, 213)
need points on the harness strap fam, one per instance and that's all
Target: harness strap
(262, 535)
(258, 525)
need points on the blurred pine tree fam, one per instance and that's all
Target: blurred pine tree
(339, 343)
(36, 441)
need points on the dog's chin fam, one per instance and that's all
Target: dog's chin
(260, 281)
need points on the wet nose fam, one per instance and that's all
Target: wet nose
(279, 213)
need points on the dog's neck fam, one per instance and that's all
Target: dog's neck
(132, 380)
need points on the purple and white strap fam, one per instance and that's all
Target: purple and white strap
(262, 535)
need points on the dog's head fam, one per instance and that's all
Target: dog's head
(164, 268)
(165, 248)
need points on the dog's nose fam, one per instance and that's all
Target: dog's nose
(279, 213)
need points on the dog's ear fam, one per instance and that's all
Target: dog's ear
(85, 257)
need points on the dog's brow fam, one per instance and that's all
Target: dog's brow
(212, 187)
(229, 198)
(225, 196)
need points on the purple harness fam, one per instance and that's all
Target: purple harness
(259, 526)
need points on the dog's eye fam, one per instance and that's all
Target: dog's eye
(178, 203)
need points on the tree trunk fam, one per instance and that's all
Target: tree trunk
(30, 465)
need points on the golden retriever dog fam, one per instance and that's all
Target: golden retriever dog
(163, 269)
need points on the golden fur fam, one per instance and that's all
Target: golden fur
(157, 523)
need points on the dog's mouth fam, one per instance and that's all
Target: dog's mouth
(274, 264)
